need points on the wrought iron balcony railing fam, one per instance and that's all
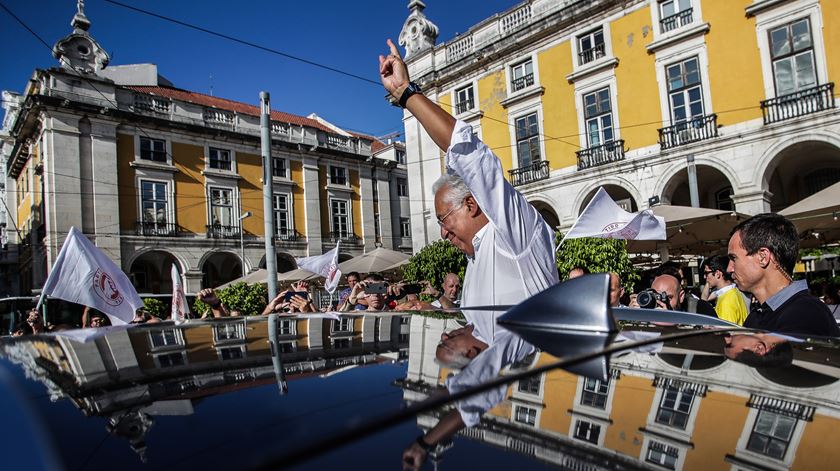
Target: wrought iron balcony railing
(529, 173)
(696, 129)
(522, 82)
(797, 104)
(288, 236)
(612, 151)
(217, 231)
(677, 20)
(344, 237)
(464, 106)
(589, 55)
(156, 229)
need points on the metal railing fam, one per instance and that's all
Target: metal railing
(464, 106)
(344, 237)
(156, 229)
(288, 236)
(589, 55)
(797, 104)
(601, 155)
(217, 231)
(533, 172)
(522, 82)
(677, 20)
(696, 129)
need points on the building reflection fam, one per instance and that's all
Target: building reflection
(130, 376)
(685, 406)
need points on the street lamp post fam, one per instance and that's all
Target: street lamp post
(246, 214)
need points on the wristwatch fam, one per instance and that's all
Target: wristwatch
(410, 90)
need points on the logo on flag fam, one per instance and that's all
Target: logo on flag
(325, 265)
(106, 288)
(603, 218)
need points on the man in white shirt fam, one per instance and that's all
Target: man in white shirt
(509, 247)
(450, 287)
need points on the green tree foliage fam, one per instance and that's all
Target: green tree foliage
(598, 256)
(433, 262)
(155, 307)
(249, 300)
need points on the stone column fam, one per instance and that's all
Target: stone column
(193, 281)
(103, 204)
(367, 224)
(312, 198)
(386, 184)
(752, 202)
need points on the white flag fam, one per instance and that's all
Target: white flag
(84, 275)
(605, 219)
(325, 265)
(180, 308)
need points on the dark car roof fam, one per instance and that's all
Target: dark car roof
(209, 394)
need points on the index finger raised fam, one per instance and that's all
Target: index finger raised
(393, 48)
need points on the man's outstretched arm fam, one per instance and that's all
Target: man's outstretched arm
(394, 75)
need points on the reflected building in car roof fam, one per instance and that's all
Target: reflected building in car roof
(683, 407)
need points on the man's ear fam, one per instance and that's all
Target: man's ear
(764, 256)
(472, 206)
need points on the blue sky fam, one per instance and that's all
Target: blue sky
(346, 35)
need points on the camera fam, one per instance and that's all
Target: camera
(412, 288)
(647, 299)
(376, 288)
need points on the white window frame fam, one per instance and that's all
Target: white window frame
(519, 111)
(509, 66)
(577, 67)
(741, 450)
(599, 119)
(286, 324)
(469, 86)
(345, 325)
(648, 442)
(528, 408)
(539, 137)
(231, 154)
(779, 16)
(156, 136)
(573, 430)
(237, 327)
(170, 198)
(156, 357)
(656, 17)
(290, 229)
(177, 344)
(405, 227)
(594, 411)
(286, 169)
(166, 148)
(684, 91)
(593, 84)
(402, 182)
(240, 348)
(404, 160)
(527, 395)
(792, 56)
(234, 220)
(695, 47)
(346, 183)
(591, 34)
(349, 203)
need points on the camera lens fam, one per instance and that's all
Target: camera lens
(646, 299)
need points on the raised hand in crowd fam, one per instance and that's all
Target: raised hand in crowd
(35, 322)
(209, 297)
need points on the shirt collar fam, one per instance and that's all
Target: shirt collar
(477, 238)
(776, 301)
(720, 291)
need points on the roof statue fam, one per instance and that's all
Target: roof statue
(418, 33)
(79, 51)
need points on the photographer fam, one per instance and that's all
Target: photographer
(294, 299)
(668, 293)
(374, 291)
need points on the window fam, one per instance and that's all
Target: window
(792, 52)
(343, 324)
(530, 385)
(598, 116)
(685, 91)
(231, 353)
(153, 149)
(279, 167)
(287, 327)
(164, 338)
(591, 46)
(674, 14)
(402, 187)
(282, 222)
(405, 227)
(528, 140)
(464, 100)
(594, 393)
(168, 360)
(153, 201)
(220, 159)
(662, 454)
(771, 434)
(221, 207)
(522, 75)
(229, 331)
(340, 212)
(341, 343)
(400, 156)
(338, 176)
(723, 199)
(288, 347)
(587, 431)
(525, 415)
(820, 179)
(675, 407)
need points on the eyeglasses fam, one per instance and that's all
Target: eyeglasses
(707, 273)
(441, 220)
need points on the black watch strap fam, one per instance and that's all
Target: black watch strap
(425, 446)
(411, 89)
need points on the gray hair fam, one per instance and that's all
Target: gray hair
(458, 361)
(458, 190)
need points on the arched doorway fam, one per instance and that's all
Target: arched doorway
(621, 196)
(547, 212)
(220, 268)
(151, 272)
(285, 262)
(714, 190)
(801, 170)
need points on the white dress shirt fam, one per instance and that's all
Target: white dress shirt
(514, 252)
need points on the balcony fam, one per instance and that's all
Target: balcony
(522, 82)
(464, 106)
(591, 54)
(344, 238)
(156, 229)
(217, 231)
(693, 130)
(530, 173)
(601, 155)
(677, 20)
(797, 104)
(288, 237)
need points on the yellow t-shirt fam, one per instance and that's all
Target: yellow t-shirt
(732, 307)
